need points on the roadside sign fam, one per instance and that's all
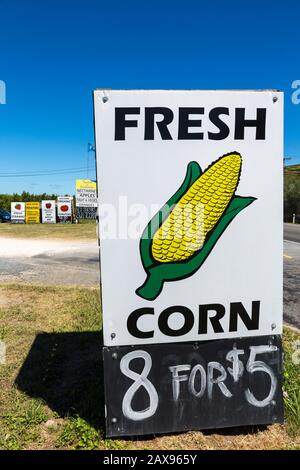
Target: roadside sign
(32, 212)
(86, 199)
(49, 212)
(86, 212)
(17, 212)
(86, 193)
(212, 162)
(190, 235)
(64, 208)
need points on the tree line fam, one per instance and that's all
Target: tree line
(6, 199)
(291, 196)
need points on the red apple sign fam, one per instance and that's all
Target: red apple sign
(64, 208)
(48, 205)
(18, 207)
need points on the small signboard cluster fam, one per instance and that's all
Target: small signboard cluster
(192, 284)
(46, 212)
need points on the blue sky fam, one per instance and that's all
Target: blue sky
(55, 52)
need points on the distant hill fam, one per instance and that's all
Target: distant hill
(292, 168)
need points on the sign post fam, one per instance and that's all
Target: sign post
(191, 268)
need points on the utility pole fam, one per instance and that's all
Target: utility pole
(91, 148)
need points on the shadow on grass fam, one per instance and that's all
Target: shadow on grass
(65, 371)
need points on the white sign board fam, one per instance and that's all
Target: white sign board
(64, 206)
(17, 212)
(209, 264)
(48, 212)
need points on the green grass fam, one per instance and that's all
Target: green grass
(51, 388)
(86, 230)
(78, 434)
(292, 380)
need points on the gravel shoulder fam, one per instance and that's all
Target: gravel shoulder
(68, 262)
(24, 247)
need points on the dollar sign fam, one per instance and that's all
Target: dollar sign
(237, 368)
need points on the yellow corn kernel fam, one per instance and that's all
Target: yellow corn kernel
(197, 212)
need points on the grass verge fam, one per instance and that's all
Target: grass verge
(84, 231)
(291, 375)
(51, 385)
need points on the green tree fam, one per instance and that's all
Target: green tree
(291, 196)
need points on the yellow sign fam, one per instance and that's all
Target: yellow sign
(86, 193)
(85, 184)
(32, 212)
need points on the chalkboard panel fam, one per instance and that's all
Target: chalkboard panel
(86, 212)
(163, 388)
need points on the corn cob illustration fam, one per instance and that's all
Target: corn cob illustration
(179, 238)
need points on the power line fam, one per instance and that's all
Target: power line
(37, 172)
(46, 173)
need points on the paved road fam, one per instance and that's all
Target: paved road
(291, 283)
(49, 262)
(292, 232)
(77, 263)
(291, 274)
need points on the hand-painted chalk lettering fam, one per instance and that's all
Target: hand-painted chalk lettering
(140, 380)
(216, 375)
(236, 371)
(260, 366)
